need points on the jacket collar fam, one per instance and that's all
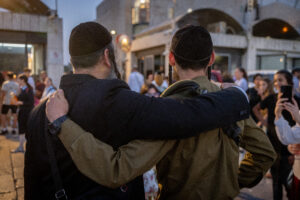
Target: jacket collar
(187, 85)
(74, 79)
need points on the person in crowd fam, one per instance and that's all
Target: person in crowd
(9, 91)
(159, 82)
(147, 83)
(1, 79)
(227, 78)
(105, 106)
(290, 136)
(265, 88)
(296, 78)
(49, 88)
(40, 86)
(253, 94)
(152, 91)
(136, 80)
(215, 174)
(241, 78)
(31, 82)
(26, 103)
(282, 167)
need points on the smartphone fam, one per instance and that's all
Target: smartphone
(287, 92)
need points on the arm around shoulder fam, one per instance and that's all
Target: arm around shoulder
(101, 163)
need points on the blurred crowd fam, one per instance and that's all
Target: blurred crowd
(18, 96)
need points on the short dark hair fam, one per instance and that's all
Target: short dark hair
(87, 61)
(192, 47)
(10, 75)
(287, 75)
(257, 75)
(297, 69)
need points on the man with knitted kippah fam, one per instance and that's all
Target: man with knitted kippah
(104, 105)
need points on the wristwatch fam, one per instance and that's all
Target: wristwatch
(55, 126)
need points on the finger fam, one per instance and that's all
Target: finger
(283, 99)
(60, 94)
(280, 94)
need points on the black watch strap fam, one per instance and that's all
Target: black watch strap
(55, 126)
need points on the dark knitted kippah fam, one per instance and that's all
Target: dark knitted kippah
(192, 43)
(87, 38)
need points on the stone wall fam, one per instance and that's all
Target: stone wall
(41, 24)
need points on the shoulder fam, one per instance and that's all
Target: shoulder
(182, 88)
(106, 85)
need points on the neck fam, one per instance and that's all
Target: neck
(97, 72)
(190, 74)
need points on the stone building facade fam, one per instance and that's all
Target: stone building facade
(254, 34)
(31, 37)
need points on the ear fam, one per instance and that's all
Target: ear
(172, 59)
(106, 60)
(212, 59)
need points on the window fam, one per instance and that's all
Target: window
(141, 12)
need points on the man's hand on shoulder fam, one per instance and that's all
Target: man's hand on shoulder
(57, 106)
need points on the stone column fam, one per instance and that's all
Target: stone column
(249, 57)
(131, 60)
(55, 62)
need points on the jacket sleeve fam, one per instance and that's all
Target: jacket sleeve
(260, 155)
(98, 161)
(163, 118)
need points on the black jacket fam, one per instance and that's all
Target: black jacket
(116, 115)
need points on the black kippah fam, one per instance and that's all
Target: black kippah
(192, 44)
(87, 38)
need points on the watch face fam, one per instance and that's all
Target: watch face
(54, 130)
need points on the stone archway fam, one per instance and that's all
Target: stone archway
(212, 19)
(275, 28)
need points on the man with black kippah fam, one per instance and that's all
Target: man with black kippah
(104, 105)
(205, 166)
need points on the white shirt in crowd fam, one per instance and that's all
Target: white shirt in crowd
(242, 83)
(163, 86)
(11, 89)
(136, 81)
(289, 135)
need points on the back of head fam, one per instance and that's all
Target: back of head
(87, 44)
(10, 75)
(192, 47)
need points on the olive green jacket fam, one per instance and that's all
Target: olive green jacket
(201, 167)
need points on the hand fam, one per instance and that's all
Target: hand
(19, 103)
(57, 106)
(294, 149)
(279, 106)
(227, 85)
(293, 109)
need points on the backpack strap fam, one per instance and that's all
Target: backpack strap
(60, 193)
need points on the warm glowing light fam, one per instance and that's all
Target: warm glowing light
(113, 32)
(143, 1)
(281, 60)
(285, 29)
(125, 41)
(190, 10)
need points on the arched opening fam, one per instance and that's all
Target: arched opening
(275, 28)
(213, 20)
